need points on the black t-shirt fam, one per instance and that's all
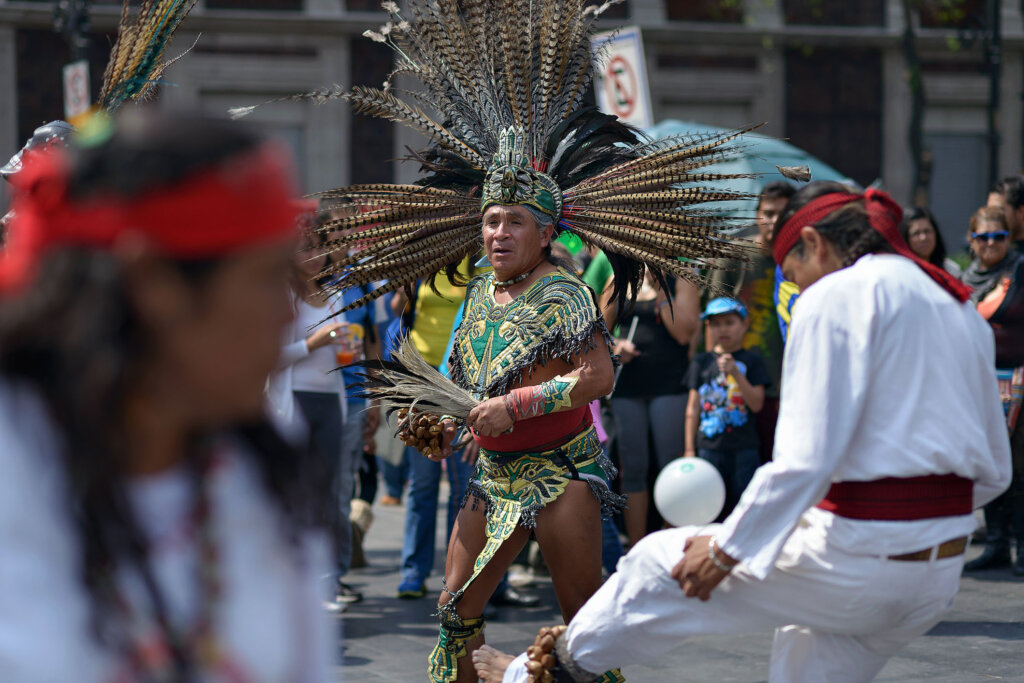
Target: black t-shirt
(662, 363)
(725, 420)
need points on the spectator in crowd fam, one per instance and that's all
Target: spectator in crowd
(1008, 195)
(361, 417)
(725, 386)
(432, 318)
(307, 397)
(921, 232)
(597, 270)
(997, 276)
(648, 399)
(390, 451)
(155, 525)
(768, 299)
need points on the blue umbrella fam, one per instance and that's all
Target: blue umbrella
(761, 155)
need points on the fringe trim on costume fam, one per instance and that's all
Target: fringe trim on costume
(610, 501)
(555, 344)
(605, 463)
(527, 518)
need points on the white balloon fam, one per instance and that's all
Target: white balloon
(689, 491)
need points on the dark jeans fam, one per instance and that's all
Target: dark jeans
(1004, 516)
(419, 547)
(323, 415)
(766, 420)
(395, 476)
(737, 467)
(368, 478)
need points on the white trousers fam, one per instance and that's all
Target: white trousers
(838, 616)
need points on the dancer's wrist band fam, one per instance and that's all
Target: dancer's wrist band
(510, 406)
(715, 560)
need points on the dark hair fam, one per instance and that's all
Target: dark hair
(847, 229)
(777, 189)
(938, 255)
(1012, 190)
(76, 338)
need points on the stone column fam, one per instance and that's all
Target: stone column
(328, 136)
(9, 142)
(897, 166)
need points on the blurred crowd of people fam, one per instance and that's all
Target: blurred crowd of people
(700, 377)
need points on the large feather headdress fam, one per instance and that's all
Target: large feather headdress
(508, 79)
(134, 68)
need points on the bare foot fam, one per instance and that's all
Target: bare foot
(490, 664)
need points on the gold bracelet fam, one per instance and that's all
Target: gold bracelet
(714, 557)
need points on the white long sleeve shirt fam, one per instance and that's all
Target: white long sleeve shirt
(269, 620)
(884, 375)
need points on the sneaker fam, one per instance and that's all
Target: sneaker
(346, 594)
(389, 500)
(335, 607)
(513, 597)
(411, 589)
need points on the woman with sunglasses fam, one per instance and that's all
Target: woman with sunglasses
(996, 274)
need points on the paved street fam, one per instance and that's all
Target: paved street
(386, 639)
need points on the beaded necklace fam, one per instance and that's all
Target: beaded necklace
(157, 651)
(518, 278)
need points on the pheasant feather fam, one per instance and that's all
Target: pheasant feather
(484, 66)
(136, 60)
(410, 382)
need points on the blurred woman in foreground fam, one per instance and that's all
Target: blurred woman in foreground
(154, 527)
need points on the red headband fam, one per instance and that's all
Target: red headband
(244, 201)
(884, 215)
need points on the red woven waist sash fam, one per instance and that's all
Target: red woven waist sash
(540, 433)
(901, 499)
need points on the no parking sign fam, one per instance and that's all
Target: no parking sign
(76, 89)
(621, 76)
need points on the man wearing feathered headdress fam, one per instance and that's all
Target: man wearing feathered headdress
(533, 346)
(517, 160)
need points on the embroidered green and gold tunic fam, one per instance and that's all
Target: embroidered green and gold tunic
(555, 318)
(495, 346)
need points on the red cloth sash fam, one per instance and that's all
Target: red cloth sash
(539, 433)
(901, 499)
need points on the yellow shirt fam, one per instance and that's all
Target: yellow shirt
(435, 315)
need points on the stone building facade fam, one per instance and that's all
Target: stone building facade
(830, 76)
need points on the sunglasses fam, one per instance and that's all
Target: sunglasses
(990, 236)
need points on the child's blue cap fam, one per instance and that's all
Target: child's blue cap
(723, 305)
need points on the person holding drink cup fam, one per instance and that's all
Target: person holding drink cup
(307, 398)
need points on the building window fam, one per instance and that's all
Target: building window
(724, 11)
(41, 56)
(952, 13)
(834, 108)
(258, 5)
(832, 13)
(363, 5)
(372, 150)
